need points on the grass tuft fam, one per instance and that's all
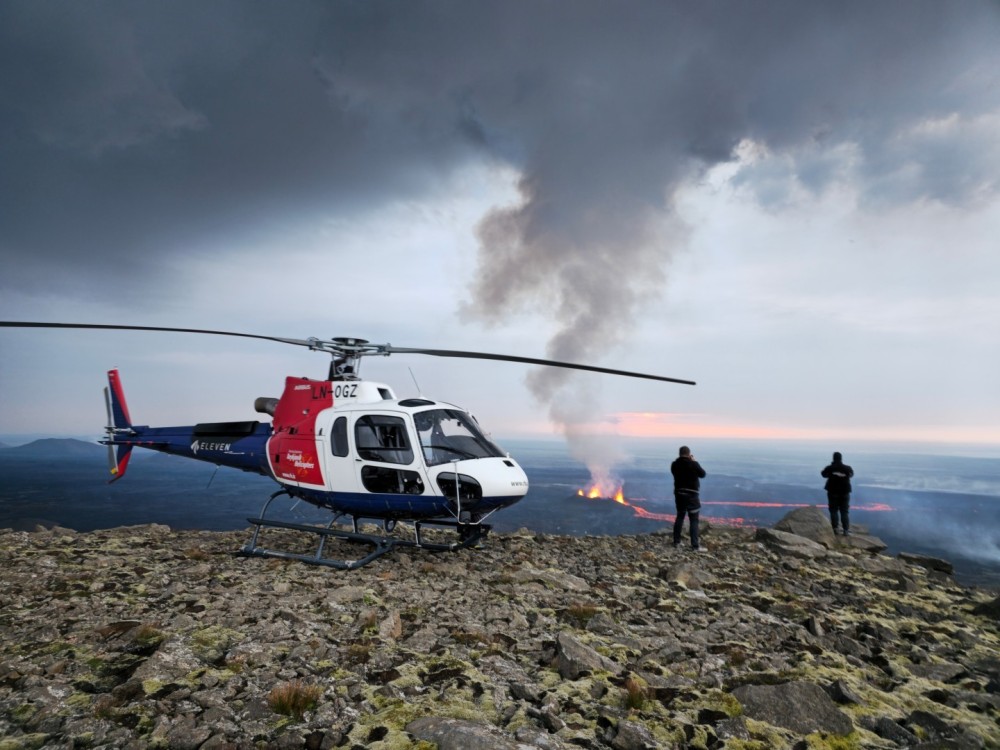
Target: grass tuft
(294, 698)
(104, 707)
(580, 613)
(636, 693)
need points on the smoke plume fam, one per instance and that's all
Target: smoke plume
(635, 110)
(595, 260)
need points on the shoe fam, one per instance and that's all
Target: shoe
(846, 532)
(835, 531)
(677, 545)
(700, 549)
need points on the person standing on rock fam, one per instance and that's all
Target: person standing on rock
(687, 484)
(838, 493)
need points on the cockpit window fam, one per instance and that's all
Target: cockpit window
(450, 434)
(382, 438)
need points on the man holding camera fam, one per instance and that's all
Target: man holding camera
(687, 475)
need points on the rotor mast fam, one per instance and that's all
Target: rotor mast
(345, 355)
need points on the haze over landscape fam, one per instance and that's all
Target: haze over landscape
(794, 204)
(944, 506)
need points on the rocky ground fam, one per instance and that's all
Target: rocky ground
(786, 638)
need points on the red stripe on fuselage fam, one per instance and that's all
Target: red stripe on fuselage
(292, 451)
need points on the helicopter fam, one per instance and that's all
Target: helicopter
(346, 445)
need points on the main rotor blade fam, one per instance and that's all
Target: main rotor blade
(366, 348)
(107, 327)
(532, 361)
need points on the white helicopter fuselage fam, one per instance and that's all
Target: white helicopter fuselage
(354, 447)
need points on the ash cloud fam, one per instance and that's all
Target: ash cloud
(638, 106)
(138, 131)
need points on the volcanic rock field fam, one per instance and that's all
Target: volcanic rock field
(789, 637)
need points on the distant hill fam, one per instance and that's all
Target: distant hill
(48, 448)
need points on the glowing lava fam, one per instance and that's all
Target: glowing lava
(597, 492)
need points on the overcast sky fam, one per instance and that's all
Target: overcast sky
(793, 203)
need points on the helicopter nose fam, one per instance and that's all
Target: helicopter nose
(486, 479)
(502, 477)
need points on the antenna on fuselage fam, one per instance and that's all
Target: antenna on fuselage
(420, 393)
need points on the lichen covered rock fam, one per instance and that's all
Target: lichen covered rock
(165, 638)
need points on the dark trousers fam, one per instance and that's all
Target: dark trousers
(839, 507)
(689, 504)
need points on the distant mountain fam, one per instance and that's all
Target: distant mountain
(48, 448)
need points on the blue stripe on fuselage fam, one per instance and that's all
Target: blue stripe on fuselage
(245, 452)
(388, 505)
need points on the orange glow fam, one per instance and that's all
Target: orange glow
(690, 426)
(618, 496)
(597, 493)
(708, 426)
(877, 507)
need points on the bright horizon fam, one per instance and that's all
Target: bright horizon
(822, 444)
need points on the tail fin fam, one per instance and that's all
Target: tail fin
(119, 422)
(114, 394)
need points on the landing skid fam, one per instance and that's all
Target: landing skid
(469, 535)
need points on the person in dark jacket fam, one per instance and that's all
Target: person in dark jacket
(838, 493)
(687, 483)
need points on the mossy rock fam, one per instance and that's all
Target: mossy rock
(822, 741)
(25, 742)
(211, 644)
(108, 672)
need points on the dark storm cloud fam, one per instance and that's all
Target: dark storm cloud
(626, 109)
(133, 133)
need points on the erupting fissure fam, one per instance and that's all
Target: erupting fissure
(596, 493)
(602, 490)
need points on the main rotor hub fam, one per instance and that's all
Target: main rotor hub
(349, 341)
(346, 353)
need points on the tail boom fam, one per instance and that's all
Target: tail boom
(242, 445)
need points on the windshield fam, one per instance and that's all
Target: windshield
(450, 434)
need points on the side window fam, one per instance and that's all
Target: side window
(382, 479)
(338, 437)
(383, 438)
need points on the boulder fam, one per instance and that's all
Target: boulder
(883, 566)
(938, 732)
(687, 575)
(810, 522)
(455, 734)
(790, 544)
(927, 562)
(553, 577)
(576, 659)
(865, 542)
(633, 736)
(802, 707)
(988, 609)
